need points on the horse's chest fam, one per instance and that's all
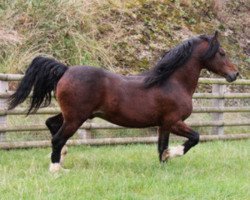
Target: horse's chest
(179, 107)
(185, 109)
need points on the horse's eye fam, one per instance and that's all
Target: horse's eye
(222, 53)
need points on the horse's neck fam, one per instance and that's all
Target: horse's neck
(188, 76)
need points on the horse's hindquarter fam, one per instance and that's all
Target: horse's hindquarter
(80, 91)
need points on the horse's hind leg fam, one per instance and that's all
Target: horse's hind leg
(68, 128)
(54, 124)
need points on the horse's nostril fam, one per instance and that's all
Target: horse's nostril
(237, 74)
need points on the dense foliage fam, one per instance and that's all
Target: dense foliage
(123, 36)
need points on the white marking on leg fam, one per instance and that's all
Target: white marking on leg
(54, 167)
(176, 151)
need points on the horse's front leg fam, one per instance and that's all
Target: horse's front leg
(163, 140)
(181, 129)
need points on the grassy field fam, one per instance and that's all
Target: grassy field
(218, 170)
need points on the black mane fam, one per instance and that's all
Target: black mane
(176, 57)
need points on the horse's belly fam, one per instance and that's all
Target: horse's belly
(122, 119)
(131, 124)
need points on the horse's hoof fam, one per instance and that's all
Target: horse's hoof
(163, 162)
(165, 155)
(55, 167)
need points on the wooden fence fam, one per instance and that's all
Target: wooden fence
(218, 97)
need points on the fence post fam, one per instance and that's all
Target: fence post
(218, 103)
(3, 119)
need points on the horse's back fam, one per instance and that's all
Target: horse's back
(84, 73)
(91, 85)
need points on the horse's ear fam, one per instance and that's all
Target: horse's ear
(215, 37)
(216, 34)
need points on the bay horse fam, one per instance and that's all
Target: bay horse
(161, 96)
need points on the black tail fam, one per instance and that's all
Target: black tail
(43, 75)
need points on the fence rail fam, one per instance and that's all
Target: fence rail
(115, 141)
(218, 96)
(91, 126)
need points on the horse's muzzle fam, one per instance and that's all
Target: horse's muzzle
(232, 76)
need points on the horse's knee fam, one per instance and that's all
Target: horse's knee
(194, 139)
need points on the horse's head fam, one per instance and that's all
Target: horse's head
(216, 60)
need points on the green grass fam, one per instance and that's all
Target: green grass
(218, 170)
